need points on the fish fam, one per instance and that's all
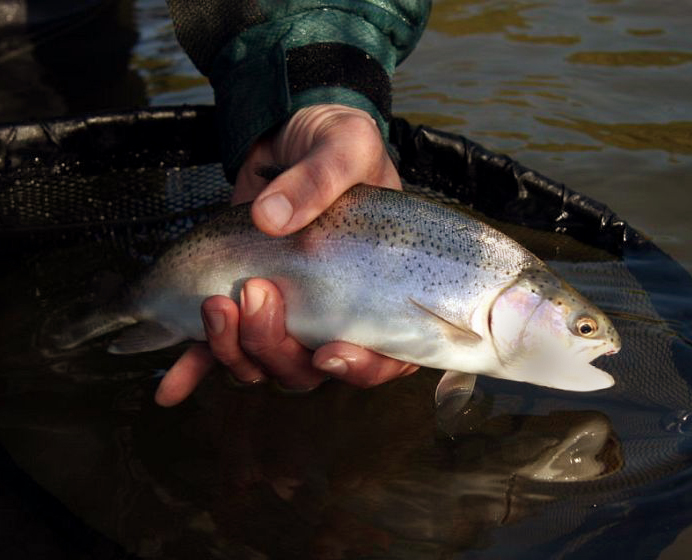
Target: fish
(387, 270)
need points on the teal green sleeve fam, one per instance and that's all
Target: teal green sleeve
(282, 56)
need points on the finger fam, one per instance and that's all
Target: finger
(353, 154)
(220, 316)
(263, 337)
(184, 376)
(359, 366)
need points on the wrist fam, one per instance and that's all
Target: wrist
(310, 125)
(268, 73)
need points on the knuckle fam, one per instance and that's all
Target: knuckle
(229, 358)
(323, 180)
(255, 345)
(362, 124)
(238, 364)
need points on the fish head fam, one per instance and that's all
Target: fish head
(544, 332)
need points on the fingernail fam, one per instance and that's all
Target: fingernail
(334, 365)
(277, 209)
(215, 321)
(252, 299)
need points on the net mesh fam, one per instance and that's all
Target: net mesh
(161, 165)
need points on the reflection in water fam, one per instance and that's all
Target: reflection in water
(51, 71)
(645, 32)
(472, 17)
(631, 58)
(340, 472)
(673, 137)
(537, 81)
(601, 19)
(679, 421)
(435, 119)
(168, 74)
(160, 77)
(562, 147)
(344, 469)
(544, 39)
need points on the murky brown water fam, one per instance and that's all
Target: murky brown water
(592, 93)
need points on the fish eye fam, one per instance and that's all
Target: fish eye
(586, 326)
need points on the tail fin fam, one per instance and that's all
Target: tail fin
(67, 329)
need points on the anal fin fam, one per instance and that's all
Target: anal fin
(145, 337)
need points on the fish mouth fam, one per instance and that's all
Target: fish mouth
(592, 352)
(579, 377)
(610, 348)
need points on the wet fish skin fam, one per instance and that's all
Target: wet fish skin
(386, 270)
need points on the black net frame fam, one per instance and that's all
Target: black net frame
(178, 137)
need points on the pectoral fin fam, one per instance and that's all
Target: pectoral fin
(455, 385)
(452, 396)
(459, 333)
(145, 337)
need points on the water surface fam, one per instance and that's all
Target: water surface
(594, 94)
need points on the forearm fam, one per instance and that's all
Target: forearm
(268, 59)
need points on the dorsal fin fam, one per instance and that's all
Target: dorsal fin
(459, 333)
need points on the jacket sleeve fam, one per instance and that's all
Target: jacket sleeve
(266, 59)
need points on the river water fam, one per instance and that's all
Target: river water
(592, 93)
(595, 94)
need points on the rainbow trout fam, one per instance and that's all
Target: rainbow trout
(386, 270)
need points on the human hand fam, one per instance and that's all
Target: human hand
(326, 150)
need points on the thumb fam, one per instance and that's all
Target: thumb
(308, 188)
